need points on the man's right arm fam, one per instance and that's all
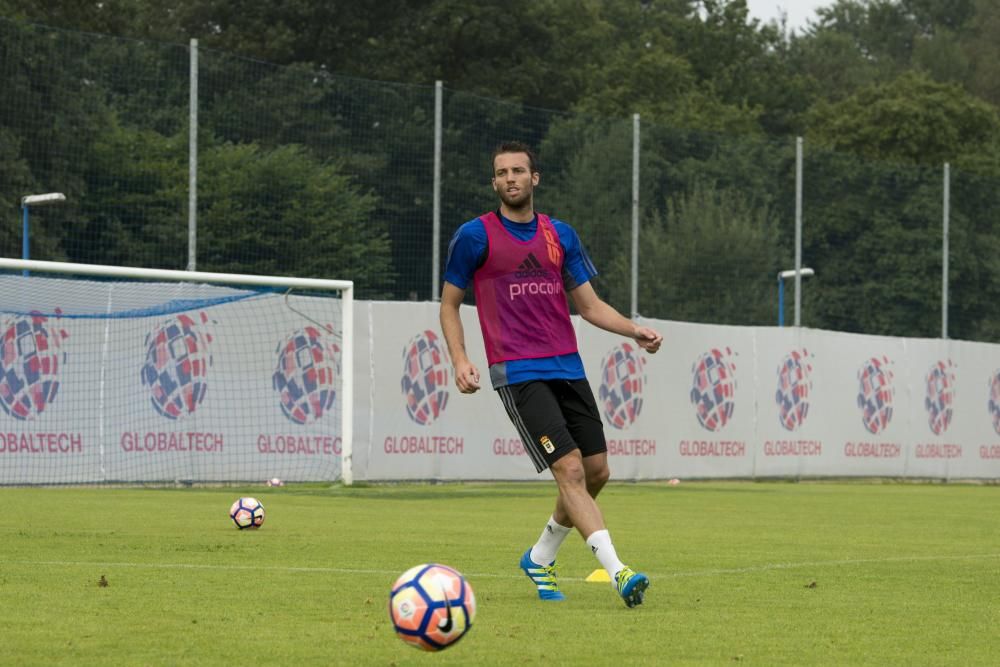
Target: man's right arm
(466, 373)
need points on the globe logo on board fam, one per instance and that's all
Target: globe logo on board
(994, 402)
(940, 385)
(178, 356)
(31, 357)
(623, 377)
(306, 374)
(713, 388)
(426, 375)
(794, 387)
(875, 394)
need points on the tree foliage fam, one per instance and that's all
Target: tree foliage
(317, 131)
(912, 119)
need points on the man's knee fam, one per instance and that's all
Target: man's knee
(569, 470)
(598, 476)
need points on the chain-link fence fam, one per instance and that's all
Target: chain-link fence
(302, 172)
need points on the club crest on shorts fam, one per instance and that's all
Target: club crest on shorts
(547, 444)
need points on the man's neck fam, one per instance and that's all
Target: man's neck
(520, 214)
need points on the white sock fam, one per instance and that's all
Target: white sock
(544, 551)
(600, 543)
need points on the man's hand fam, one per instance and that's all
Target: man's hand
(467, 377)
(648, 339)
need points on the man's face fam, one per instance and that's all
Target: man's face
(513, 179)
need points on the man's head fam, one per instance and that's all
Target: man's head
(515, 174)
(515, 147)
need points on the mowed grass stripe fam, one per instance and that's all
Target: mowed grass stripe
(749, 573)
(479, 575)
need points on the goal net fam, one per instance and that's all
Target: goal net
(122, 375)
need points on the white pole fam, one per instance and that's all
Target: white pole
(798, 231)
(192, 263)
(635, 215)
(347, 374)
(944, 251)
(436, 214)
(179, 276)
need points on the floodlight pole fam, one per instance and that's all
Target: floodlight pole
(26, 202)
(804, 272)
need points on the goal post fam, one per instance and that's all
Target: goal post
(116, 374)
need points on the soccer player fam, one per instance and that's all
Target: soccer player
(522, 265)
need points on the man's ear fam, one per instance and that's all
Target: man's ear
(535, 177)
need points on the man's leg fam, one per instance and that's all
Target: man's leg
(534, 410)
(575, 504)
(581, 510)
(559, 525)
(596, 473)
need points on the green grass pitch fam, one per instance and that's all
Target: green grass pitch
(817, 573)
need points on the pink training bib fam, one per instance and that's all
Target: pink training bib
(520, 294)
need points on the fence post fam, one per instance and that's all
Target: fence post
(635, 215)
(944, 250)
(798, 231)
(436, 212)
(192, 263)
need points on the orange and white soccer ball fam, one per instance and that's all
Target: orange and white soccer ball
(247, 513)
(431, 606)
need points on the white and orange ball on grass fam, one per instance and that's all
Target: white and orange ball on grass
(247, 512)
(431, 606)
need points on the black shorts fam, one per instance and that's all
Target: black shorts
(554, 417)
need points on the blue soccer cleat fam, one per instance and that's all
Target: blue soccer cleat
(631, 586)
(543, 577)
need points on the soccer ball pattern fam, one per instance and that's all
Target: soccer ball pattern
(875, 394)
(178, 356)
(622, 380)
(247, 513)
(306, 376)
(431, 606)
(940, 384)
(30, 359)
(713, 388)
(794, 385)
(993, 404)
(426, 374)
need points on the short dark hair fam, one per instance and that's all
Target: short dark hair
(515, 147)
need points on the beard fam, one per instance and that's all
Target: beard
(518, 200)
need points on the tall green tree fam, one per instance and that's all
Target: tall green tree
(280, 212)
(48, 122)
(712, 256)
(911, 119)
(982, 49)
(874, 222)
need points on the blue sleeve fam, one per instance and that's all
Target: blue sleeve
(577, 267)
(466, 253)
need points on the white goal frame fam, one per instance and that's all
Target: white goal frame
(346, 287)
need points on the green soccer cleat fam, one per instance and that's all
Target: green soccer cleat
(543, 577)
(631, 586)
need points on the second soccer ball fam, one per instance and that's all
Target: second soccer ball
(247, 513)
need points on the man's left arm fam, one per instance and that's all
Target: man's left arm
(599, 313)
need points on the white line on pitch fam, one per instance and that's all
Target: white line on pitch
(826, 563)
(343, 570)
